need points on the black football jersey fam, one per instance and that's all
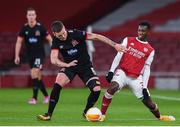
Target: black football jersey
(73, 48)
(34, 37)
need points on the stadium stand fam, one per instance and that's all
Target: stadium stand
(70, 12)
(165, 42)
(129, 12)
(165, 45)
(72, 18)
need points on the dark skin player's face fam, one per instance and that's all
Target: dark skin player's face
(62, 35)
(142, 33)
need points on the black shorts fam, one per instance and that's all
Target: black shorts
(36, 62)
(84, 73)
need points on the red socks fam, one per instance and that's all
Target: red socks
(105, 102)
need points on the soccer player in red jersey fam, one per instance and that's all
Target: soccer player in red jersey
(132, 69)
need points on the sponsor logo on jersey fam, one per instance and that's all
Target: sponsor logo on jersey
(136, 53)
(72, 52)
(37, 33)
(74, 43)
(33, 40)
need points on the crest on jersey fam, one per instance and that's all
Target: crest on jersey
(145, 49)
(132, 43)
(37, 33)
(74, 43)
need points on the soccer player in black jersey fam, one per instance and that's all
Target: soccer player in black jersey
(33, 34)
(71, 44)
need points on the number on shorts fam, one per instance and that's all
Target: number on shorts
(37, 61)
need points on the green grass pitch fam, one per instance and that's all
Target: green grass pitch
(125, 109)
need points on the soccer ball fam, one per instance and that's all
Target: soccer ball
(93, 114)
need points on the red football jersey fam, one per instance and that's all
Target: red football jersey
(133, 61)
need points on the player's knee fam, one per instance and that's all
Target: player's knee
(97, 88)
(62, 79)
(94, 85)
(114, 87)
(35, 73)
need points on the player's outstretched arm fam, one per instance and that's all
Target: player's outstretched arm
(18, 49)
(146, 70)
(98, 37)
(114, 65)
(56, 61)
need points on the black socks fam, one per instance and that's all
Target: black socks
(42, 88)
(93, 97)
(35, 84)
(54, 97)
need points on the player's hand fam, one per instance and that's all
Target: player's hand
(72, 63)
(145, 93)
(120, 48)
(17, 60)
(109, 76)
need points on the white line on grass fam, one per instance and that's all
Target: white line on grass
(155, 96)
(132, 119)
(166, 98)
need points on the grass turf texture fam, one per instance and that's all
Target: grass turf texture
(125, 109)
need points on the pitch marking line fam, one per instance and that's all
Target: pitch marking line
(166, 98)
(155, 96)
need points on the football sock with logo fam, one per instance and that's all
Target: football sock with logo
(35, 84)
(42, 88)
(107, 98)
(54, 97)
(93, 97)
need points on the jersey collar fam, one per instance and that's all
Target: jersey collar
(144, 42)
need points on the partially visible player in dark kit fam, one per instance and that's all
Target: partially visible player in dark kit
(33, 34)
(72, 45)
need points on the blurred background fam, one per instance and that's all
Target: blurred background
(115, 19)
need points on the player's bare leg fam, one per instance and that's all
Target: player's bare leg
(154, 108)
(61, 80)
(107, 98)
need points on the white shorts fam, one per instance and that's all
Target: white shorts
(135, 84)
